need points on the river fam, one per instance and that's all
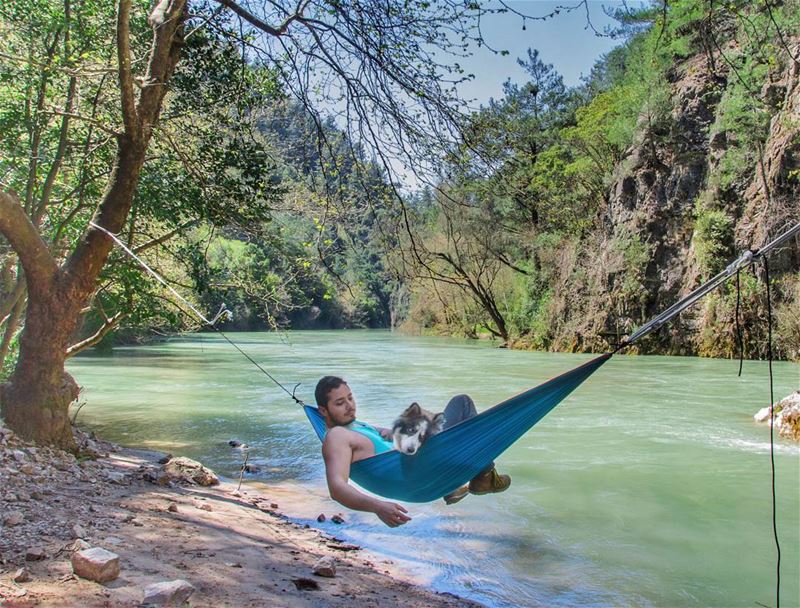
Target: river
(648, 486)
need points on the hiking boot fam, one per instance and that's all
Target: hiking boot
(489, 482)
(456, 495)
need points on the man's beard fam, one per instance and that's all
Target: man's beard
(339, 420)
(343, 420)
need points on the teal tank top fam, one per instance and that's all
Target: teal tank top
(371, 433)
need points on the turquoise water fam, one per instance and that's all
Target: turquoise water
(648, 486)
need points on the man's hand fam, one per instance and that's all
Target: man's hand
(392, 514)
(385, 433)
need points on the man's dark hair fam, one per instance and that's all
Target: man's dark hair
(325, 386)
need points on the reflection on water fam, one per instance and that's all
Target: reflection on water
(648, 486)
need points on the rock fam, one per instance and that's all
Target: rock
(252, 468)
(786, 414)
(789, 419)
(14, 518)
(96, 564)
(35, 554)
(165, 459)
(21, 576)
(115, 477)
(326, 566)
(78, 531)
(172, 508)
(321, 517)
(234, 443)
(79, 545)
(190, 471)
(762, 415)
(170, 593)
(337, 519)
(28, 469)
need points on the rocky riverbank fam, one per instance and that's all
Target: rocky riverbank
(155, 538)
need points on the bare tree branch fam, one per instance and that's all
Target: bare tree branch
(260, 23)
(108, 326)
(167, 236)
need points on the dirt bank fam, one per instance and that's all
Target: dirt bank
(234, 548)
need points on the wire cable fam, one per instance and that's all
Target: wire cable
(772, 436)
(210, 323)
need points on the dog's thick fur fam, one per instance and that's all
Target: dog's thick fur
(414, 427)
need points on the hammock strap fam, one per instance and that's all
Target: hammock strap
(745, 259)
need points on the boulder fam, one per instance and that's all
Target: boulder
(190, 471)
(169, 593)
(325, 566)
(96, 564)
(787, 416)
(788, 421)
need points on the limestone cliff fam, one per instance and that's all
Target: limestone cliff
(690, 195)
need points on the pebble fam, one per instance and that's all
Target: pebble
(14, 518)
(35, 554)
(325, 566)
(168, 593)
(21, 576)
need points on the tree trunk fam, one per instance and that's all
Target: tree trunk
(36, 398)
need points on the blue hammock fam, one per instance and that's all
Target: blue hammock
(450, 459)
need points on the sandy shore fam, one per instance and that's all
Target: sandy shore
(235, 548)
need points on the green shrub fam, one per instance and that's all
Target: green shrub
(713, 239)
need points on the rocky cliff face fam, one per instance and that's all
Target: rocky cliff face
(690, 196)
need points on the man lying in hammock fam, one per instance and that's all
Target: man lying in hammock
(348, 441)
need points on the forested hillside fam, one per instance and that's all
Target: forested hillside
(572, 216)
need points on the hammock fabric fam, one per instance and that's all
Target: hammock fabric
(450, 459)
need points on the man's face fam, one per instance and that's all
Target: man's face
(341, 407)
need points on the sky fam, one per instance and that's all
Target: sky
(565, 41)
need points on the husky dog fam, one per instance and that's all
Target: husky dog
(413, 428)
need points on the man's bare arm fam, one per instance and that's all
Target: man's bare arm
(338, 453)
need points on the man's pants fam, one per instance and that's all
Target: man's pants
(460, 408)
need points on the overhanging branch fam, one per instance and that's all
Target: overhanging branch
(39, 265)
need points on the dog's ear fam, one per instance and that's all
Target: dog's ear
(414, 410)
(438, 421)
